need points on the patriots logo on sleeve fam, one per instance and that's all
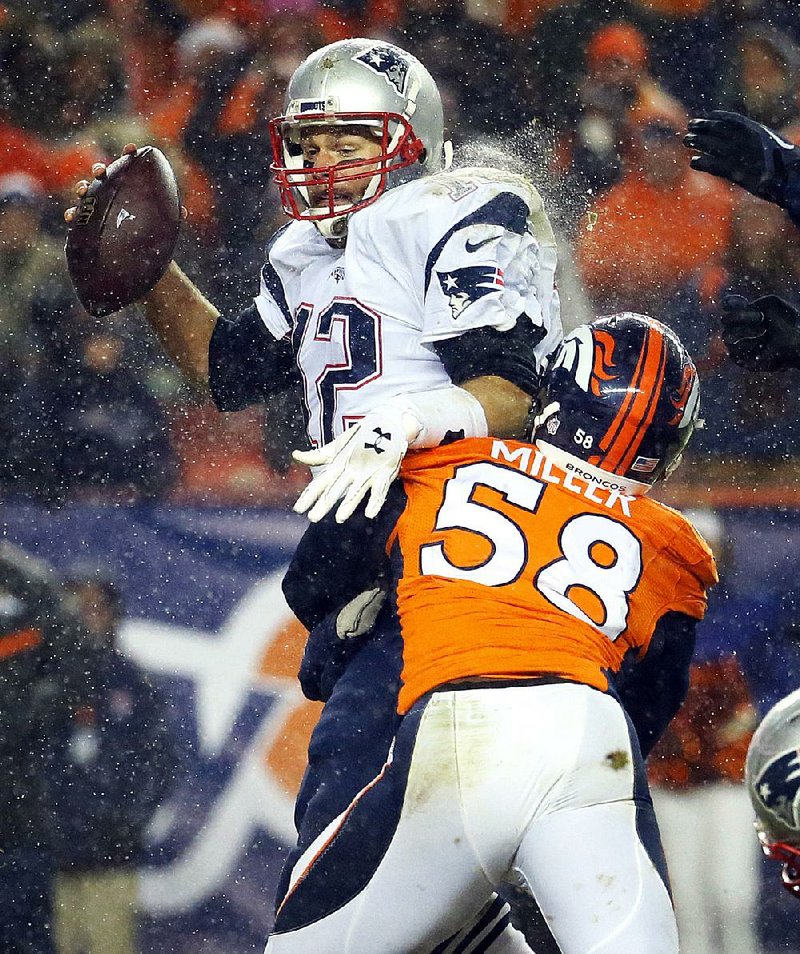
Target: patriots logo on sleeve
(778, 788)
(385, 61)
(463, 286)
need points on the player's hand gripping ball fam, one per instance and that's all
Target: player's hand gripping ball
(122, 235)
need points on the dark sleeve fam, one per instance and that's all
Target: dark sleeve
(335, 562)
(653, 689)
(487, 351)
(792, 194)
(246, 364)
(325, 658)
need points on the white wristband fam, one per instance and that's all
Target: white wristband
(438, 413)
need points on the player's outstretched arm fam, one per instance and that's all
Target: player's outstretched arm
(182, 318)
(367, 457)
(748, 154)
(761, 335)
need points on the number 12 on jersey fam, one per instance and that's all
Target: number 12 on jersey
(600, 559)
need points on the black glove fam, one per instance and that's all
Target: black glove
(761, 335)
(748, 154)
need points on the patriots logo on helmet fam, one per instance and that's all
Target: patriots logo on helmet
(385, 61)
(778, 788)
(463, 286)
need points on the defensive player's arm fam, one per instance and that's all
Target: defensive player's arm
(737, 148)
(334, 641)
(653, 689)
(332, 564)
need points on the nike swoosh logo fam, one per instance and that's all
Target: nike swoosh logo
(474, 246)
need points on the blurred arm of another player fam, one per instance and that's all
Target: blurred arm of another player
(750, 155)
(761, 335)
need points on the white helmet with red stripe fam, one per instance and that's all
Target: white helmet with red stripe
(363, 84)
(772, 776)
(621, 395)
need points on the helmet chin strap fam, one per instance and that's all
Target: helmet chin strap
(447, 148)
(589, 472)
(334, 230)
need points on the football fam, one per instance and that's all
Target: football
(124, 232)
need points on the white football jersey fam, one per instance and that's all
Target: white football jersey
(429, 260)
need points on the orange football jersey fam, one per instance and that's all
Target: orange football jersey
(513, 567)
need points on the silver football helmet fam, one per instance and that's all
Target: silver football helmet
(772, 775)
(356, 83)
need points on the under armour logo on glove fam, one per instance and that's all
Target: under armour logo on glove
(351, 469)
(382, 436)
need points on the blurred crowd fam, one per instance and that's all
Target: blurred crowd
(593, 98)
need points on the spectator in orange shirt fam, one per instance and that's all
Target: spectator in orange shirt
(617, 81)
(658, 228)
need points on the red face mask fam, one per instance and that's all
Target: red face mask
(788, 856)
(294, 178)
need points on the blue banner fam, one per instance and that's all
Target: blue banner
(206, 618)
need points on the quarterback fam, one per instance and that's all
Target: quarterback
(546, 609)
(408, 303)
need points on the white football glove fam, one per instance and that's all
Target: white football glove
(364, 460)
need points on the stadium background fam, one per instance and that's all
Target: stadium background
(106, 454)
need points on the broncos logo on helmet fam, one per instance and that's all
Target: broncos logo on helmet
(625, 395)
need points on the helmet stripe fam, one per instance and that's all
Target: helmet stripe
(647, 420)
(629, 427)
(610, 435)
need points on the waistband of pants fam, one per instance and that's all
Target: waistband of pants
(504, 682)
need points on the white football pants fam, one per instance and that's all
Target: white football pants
(542, 781)
(713, 858)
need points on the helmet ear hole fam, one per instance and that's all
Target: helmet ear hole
(423, 157)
